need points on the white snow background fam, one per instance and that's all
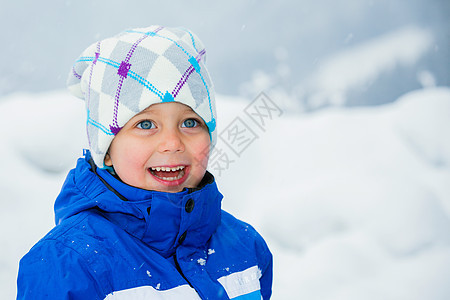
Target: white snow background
(353, 202)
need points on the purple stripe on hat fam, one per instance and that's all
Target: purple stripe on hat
(88, 99)
(97, 55)
(158, 29)
(130, 53)
(75, 73)
(115, 128)
(188, 73)
(200, 55)
(124, 68)
(182, 81)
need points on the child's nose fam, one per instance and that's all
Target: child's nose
(170, 141)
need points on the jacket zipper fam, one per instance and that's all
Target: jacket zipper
(179, 270)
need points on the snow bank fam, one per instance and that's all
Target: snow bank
(41, 135)
(354, 203)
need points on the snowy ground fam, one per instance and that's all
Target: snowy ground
(354, 202)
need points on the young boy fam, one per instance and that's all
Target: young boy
(139, 217)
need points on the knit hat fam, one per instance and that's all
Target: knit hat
(121, 76)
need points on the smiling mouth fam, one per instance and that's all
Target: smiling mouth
(168, 173)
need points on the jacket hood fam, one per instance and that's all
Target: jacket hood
(161, 220)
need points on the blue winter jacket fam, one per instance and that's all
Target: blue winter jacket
(114, 241)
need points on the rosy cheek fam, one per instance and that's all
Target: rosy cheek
(203, 155)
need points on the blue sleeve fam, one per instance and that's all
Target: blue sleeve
(266, 264)
(53, 271)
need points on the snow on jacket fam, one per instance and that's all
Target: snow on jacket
(114, 241)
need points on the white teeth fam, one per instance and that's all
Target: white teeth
(167, 169)
(173, 178)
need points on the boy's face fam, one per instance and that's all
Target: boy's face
(163, 148)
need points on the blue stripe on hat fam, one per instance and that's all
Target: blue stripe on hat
(96, 124)
(194, 63)
(168, 97)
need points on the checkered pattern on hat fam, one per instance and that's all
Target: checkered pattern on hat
(120, 76)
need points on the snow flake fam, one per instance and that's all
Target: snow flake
(158, 286)
(148, 273)
(211, 251)
(201, 261)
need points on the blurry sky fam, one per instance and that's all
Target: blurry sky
(41, 39)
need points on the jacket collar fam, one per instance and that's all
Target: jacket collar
(161, 220)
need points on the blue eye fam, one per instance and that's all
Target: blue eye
(145, 124)
(189, 123)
